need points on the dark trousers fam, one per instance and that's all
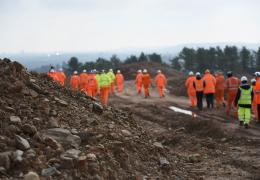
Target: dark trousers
(210, 100)
(258, 112)
(199, 95)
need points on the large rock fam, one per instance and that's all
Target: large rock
(29, 129)
(22, 143)
(15, 119)
(5, 160)
(63, 136)
(61, 102)
(69, 158)
(31, 176)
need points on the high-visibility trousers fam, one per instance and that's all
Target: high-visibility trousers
(193, 98)
(230, 102)
(139, 87)
(120, 87)
(219, 97)
(112, 88)
(160, 90)
(244, 114)
(104, 93)
(91, 91)
(146, 91)
(255, 111)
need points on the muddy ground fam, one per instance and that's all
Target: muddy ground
(210, 146)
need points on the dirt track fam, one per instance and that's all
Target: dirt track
(208, 147)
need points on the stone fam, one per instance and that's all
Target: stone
(194, 158)
(61, 102)
(30, 153)
(53, 123)
(21, 143)
(69, 158)
(72, 153)
(52, 143)
(31, 176)
(97, 108)
(49, 172)
(66, 162)
(29, 129)
(5, 160)
(158, 144)
(53, 113)
(33, 93)
(15, 119)
(9, 109)
(32, 80)
(82, 161)
(63, 136)
(18, 155)
(91, 157)
(126, 132)
(164, 162)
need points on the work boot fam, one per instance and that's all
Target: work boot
(240, 123)
(224, 105)
(246, 126)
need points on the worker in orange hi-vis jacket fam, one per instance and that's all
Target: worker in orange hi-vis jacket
(119, 81)
(210, 88)
(75, 81)
(53, 74)
(161, 82)
(138, 81)
(232, 84)
(146, 82)
(191, 90)
(220, 88)
(92, 84)
(84, 81)
(254, 104)
(61, 76)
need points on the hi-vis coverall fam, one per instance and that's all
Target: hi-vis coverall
(191, 90)
(161, 82)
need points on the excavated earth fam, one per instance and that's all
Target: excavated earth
(50, 132)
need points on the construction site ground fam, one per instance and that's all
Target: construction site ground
(209, 146)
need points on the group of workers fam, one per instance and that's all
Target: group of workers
(241, 95)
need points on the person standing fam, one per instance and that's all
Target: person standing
(161, 82)
(220, 88)
(190, 89)
(75, 81)
(52, 73)
(199, 86)
(92, 84)
(231, 85)
(244, 99)
(61, 76)
(138, 81)
(119, 81)
(146, 82)
(209, 90)
(105, 83)
(84, 81)
(112, 77)
(254, 104)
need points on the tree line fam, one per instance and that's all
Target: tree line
(229, 58)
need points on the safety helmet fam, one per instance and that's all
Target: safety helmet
(139, 71)
(207, 71)
(60, 69)
(253, 80)
(84, 70)
(103, 71)
(52, 71)
(229, 73)
(110, 70)
(118, 71)
(257, 74)
(191, 73)
(145, 71)
(198, 74)
(75, 72)
(243, 79)
(159, 71)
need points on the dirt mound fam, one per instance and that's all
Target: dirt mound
(56, 133)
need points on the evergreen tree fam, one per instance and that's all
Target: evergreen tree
(131, 59)
(155, 58)
(245, 59)
(175, 63)
(258, 59)
(142, 58)
(73, 65)
(115, 62)
(189, 56)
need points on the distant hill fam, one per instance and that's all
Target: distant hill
(35, 60)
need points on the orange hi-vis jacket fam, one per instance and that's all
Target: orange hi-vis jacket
(199, 85)
(53, 75)
(138, 79)
(210, 82)
(257, 92)
(146, 80)
(61, 77)
(160, 80)
(75, 82)
(232, 84)
(119, 78)
(83, 81)
(92, 81)
(189, 84)
(220, 82)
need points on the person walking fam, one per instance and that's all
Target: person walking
(191, 90)
(161, 82)
(112, 77)
(209, 89)
(199, 86)
(138, 81)
(84, 81)
(119, 81)
(75, 81)
(105, 83)
(220, 88)
(146, 82)
(61, 77)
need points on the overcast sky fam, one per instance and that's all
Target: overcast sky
(100, 25)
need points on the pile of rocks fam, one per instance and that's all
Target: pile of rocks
(49, 131)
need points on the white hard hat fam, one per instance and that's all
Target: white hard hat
(145, 70)
(103, 70)
(75, 72)
(52, 71)
(111, 70)
(253, 80)
(118, 71)
(197, 73)
(243, 78)
(60, 69)
(191, 73)
(84, 70)
(139, 71)
(257, 74)
(159, 71)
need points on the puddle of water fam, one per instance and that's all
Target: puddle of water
(183, 111)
